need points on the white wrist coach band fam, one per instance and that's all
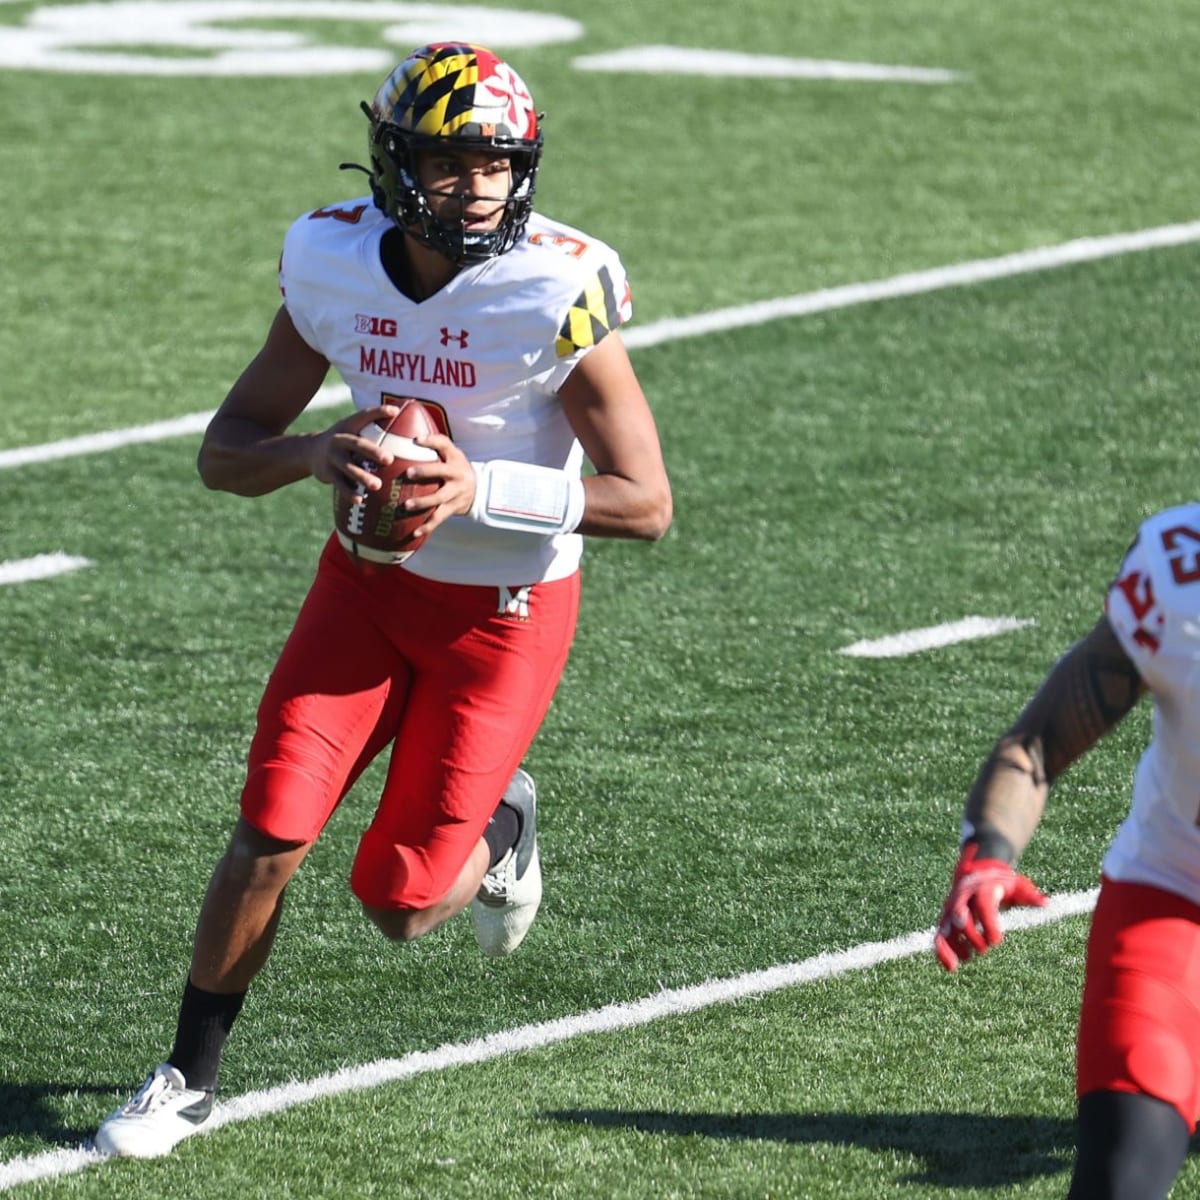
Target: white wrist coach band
(527, 498)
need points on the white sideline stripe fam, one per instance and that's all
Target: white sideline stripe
(41, 566)
(613, 1017)
(672, 329)
(914, 641)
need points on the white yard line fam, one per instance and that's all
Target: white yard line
(1024, 262)
(96, 443)
(41, 566)
(914, 641)
(683, 60)
(981, 270)
(610, 1019)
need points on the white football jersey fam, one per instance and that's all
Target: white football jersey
(1154, 609)
(487, 354)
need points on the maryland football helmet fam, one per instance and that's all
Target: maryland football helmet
(452, 94)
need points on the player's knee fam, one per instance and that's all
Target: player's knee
(380, 873)
(399, 924)
(389, 875)
(257, 861)
(1140, 1051)
(398, 894)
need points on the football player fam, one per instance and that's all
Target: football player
(444, 285)
(1138, 1053)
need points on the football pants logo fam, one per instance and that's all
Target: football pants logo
(514, 602)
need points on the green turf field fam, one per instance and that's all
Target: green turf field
(722, 791)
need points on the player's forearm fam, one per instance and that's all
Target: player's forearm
(1087, 692)
(241, 457)
(623, 508)
(1008, 798)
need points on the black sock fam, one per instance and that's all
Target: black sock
(205, 1019)
(1131, 1147)
(502, 832)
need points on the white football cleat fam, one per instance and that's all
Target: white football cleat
(162, 1113)
(507, 901)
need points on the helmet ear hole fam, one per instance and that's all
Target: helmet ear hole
(460, 95)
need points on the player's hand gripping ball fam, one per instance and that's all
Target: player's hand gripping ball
(375, 527)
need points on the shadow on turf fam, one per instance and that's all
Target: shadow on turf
(956, 1149)
(32, 1108)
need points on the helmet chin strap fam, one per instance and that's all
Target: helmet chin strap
(449, 235)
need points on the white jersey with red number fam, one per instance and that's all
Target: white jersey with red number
(488, 353)
(1154, 609)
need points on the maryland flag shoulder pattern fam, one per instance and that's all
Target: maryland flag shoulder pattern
(596, 313)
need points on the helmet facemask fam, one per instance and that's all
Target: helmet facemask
(453, 96)
(396, 185)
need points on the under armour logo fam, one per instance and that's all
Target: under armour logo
(460, 338)
(514, 602)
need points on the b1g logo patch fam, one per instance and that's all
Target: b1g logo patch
(375, 326)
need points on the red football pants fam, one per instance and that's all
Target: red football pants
(1139, 1029)
(456, 678)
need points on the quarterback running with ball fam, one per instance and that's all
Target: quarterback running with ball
(1138, 1055)
(442, 285)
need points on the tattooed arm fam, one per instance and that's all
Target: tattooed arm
(1086, 694)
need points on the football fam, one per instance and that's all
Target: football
(379, 530)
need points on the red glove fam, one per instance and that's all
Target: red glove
(970, 921)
